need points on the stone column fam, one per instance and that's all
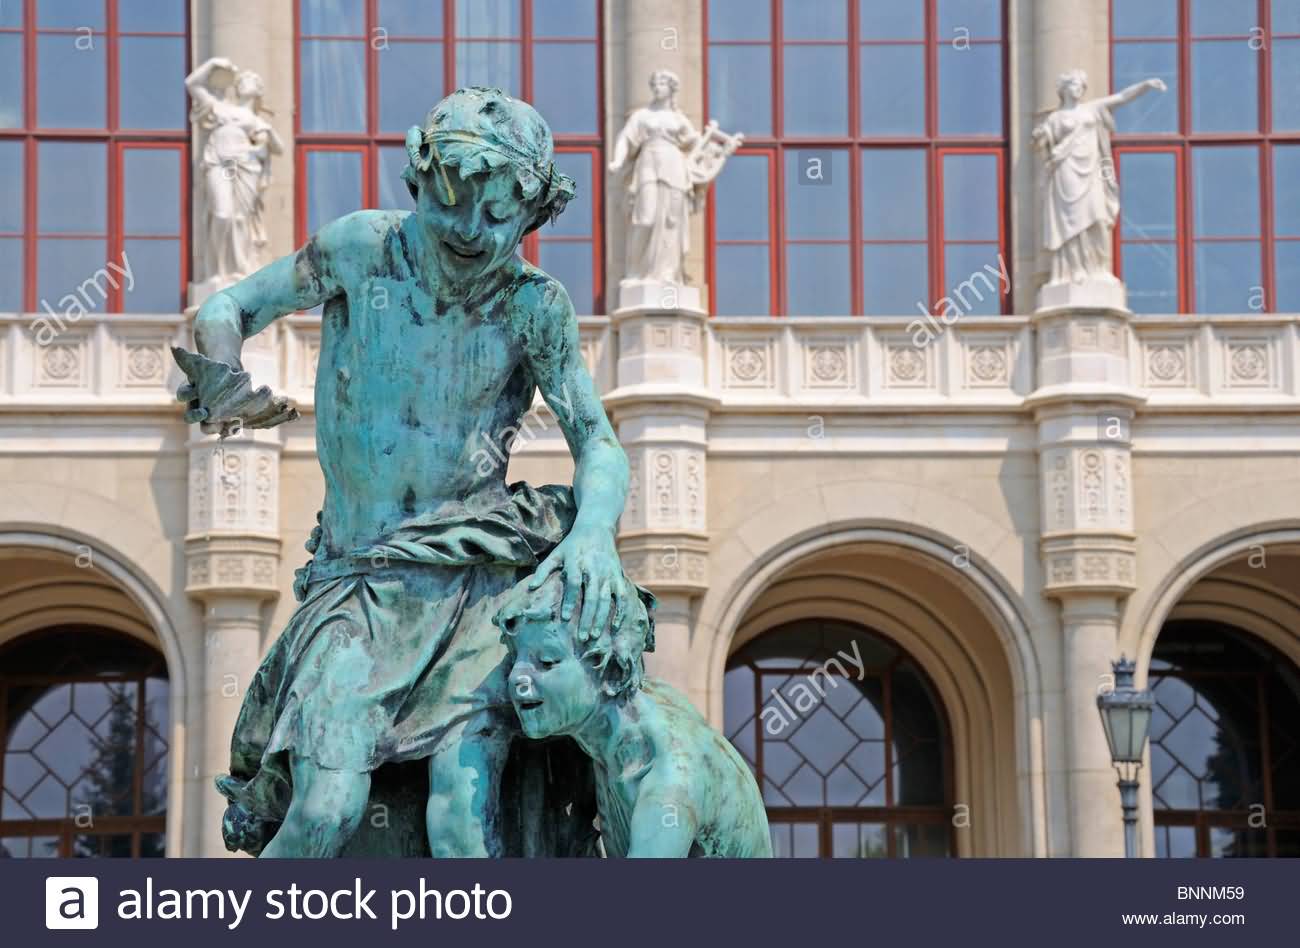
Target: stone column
(661, 410)
(1084, 407)
(1090, 629)
(232, 567)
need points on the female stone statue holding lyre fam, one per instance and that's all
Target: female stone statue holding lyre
(673, 164)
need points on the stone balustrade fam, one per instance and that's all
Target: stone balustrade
(1204, 363)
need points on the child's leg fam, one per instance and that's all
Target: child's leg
(327, 808)
(463, 816)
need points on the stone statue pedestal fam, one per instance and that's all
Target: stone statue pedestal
(1094, 294)
(660, 297)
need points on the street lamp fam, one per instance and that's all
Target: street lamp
(1126, 717)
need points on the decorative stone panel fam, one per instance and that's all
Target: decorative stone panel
(665, 489)
(749, 363)
(65, 363)
(234, 486)
(907, 365)
(829, 363)
(1250, 362)
(667, 563)
(1168, 362)
(232, 565)
(1087, 487)
(1090, 564)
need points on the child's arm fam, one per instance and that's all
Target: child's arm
(664, 823)
(219, 393)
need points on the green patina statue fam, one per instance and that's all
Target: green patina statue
(667, 784)
(389, 688)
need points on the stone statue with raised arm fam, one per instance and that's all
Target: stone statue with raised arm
(1081, 197)
(672, 167)
(234, 169)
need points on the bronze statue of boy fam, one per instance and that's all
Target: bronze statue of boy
(435, 335)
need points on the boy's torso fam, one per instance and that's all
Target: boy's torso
(413, 393)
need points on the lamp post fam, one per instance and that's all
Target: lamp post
(1126, 718)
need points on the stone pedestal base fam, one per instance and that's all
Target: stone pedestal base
(641, 295)
(1091, 295)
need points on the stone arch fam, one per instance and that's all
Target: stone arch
(1252, 604)
(810, 575)
(120, 597)
(1216, 581)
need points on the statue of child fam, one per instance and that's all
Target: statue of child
(667, 784)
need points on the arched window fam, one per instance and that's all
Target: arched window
(1225, 744)
(1209, 172)
(872, 176)
(93, 143)
(847, 740)
(84, 715)
(370, 69)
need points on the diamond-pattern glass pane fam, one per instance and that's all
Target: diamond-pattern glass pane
(54, 704)
(1219, 693)
(779, 760)
(66, 750)
(823, 740)
(825, 735)
(805, 787)
(866, 721)
(77, 747)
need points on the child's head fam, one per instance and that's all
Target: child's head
(556, 681)
(482, 173)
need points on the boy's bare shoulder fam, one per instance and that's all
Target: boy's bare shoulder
(536, 291)
(356, 241)
(682, 732)
(540, 305)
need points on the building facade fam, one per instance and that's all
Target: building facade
(954, 522)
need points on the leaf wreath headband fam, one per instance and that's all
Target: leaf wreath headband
(473, 153)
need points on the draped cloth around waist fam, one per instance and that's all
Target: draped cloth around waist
(391, 646)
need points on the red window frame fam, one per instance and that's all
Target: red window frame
(116, 139)
(937, 146)
(370, 141)
(1185, 140)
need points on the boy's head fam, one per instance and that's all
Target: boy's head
(482, 173)
(557, 682)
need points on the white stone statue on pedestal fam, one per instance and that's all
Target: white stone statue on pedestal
(233, 170)
(1081, 202)
(673, 165)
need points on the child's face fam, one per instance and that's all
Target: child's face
(553, 690)
(480, 230)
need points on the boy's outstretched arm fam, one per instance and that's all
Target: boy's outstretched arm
(587, 557)
(219, 394)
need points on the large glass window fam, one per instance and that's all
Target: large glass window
(370, 69)
(871, 179)
(93, 142)
(85, 722)
(847, 740)
(1225, 744)
(1210, 220)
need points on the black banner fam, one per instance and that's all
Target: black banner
(193, 902)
